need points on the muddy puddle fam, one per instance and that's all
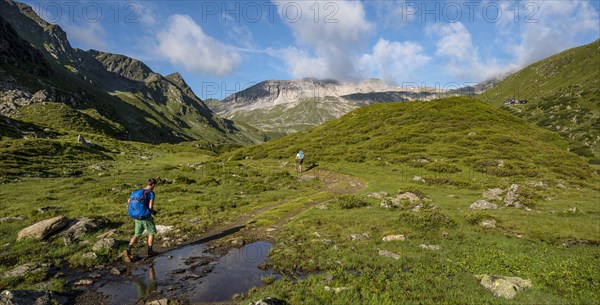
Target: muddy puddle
(191, 274)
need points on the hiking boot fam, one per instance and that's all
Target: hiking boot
(127, 256)
(151, 252)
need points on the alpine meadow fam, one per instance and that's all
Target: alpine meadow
(325, 179)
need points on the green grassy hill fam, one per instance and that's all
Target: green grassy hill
(450, 135)
(564, 96)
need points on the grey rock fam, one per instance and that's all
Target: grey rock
(394, 238)
(44, 228)
(49, 209)
(90, 255)
(409, 196)
(389, 254)
(96, 167)
(359, 236)
(386, 203)
(84, 282)
(493, 194)
(503, 286)
(160, 229)
(115, 271)
(81, 140)
(512, 196)
(11, 218)
(430, 247)
(488, 223)
(108, 234)
(483, 205)
(538, 184)
(25, 269)
(417, 207)
(561, 186)
(158, 302)
(80, 226)
(268, 301)
(378, 195)
(418, 179)
(26, 297)
(104, 243)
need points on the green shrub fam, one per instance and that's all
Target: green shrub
(209, 181)
(350, 202)
(477, 217)
(413, 190)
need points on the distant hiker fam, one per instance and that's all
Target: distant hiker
(140, 206)
(299, 159)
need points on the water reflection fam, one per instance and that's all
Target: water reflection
(146, 290)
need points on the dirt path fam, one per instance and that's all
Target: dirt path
(223, 238)
(335, 183)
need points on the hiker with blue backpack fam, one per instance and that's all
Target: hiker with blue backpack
(140, 207)
(299, 159)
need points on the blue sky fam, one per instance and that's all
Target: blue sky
(221, 47)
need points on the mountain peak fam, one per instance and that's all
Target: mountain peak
(123, 65)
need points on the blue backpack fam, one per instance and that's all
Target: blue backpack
(300, 155)
(138, 204)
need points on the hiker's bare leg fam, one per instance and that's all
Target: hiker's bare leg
(150, 240)
(133, 239)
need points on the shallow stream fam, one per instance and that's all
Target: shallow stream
(191, 273)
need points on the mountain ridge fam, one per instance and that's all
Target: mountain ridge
(126, 98)
(285, 106)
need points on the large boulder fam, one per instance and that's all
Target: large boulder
(80, 226)
(483, 205)
(23, 270)
(493, 194)
(44, 228)
(408, 196)
(504, 286)
(512, 196)
(105, 243)
(26, 297)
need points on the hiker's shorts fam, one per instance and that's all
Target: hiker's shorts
(145, 224)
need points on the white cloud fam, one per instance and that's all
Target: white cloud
(184, 43)
(146, 14)
(87, 36)
(464, 62)
(555, 26)
(394, 61)
(329, 37)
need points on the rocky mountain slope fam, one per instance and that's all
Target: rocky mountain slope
(104, 93)
(563, 94)
(282, 107)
